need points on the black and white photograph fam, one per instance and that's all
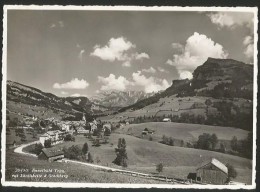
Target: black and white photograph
(129, 96)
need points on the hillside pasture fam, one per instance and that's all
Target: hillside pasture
(143, 155)
(183, 131)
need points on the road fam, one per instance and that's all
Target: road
(20, 149)
(104, 168)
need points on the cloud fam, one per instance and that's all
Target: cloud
(232, 19)
(177, 47)
(117, 49)
(73, 84)
(197, 49)
(78, 95)
(52, 25)
(150, 70)
(113, 83)
(162, 70)
(64, 93)
(82, 51)
(141, 56)
(61, 23)
(150, 84)
(169, 62)
(249, 47)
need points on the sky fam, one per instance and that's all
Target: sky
(81, 53)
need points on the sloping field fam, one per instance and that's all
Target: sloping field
(186, 132)
(143, 155)
(75, 173)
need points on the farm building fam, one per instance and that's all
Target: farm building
(166, 120)
(51, 154)
(212, 172)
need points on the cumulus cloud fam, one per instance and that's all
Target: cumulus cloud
(169, 62)
(177, 47)
(150, 84)
(150, 70)
(162, 70)
(73, 84)
(197, 49)
(249, 47)
(117, 49)
(141, 56)
(113, 83)
(232, 19)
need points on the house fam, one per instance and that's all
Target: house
(107, 126)
(51, 154)
(56, 137)
(81, 130)
(166, 120)
(212, 172)
(93, 125)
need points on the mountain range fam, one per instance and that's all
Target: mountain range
(216, 78)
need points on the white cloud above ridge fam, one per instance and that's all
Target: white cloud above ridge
(231, 19)
(197, 49)
(162, 70)
(113, 83)
(73, 84)
(149, 84)
(249, 47)
(117, 49)
(149, 70)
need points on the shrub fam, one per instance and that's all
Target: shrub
(69, 137)
(90, 158)
(73, 152)
(38, 148)
(85, 148)
(159, 167)
(232, 173)
(47, 143)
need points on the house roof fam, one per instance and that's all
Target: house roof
(52, 152)
(216, 163)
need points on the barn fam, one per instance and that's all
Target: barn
(51, 154)
(212, 172)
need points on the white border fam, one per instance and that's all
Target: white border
(253, 10)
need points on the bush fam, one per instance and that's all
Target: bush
(69, 137)
(73, 152)
(90, 158)
(85, 148)
(159, 167)
(232, 173)
(38, 148)
(47, 143)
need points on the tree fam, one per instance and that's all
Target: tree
(47, 143)
(159, 167)
(69, 137)
(182, 143)
(170, 142)
(232, 173)
(38, 148)
(222, 148)
(96, 142)
(121, 155)
(90, 158)
(214, 140)
(73, 152)
(234, 144)
(85, 148)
